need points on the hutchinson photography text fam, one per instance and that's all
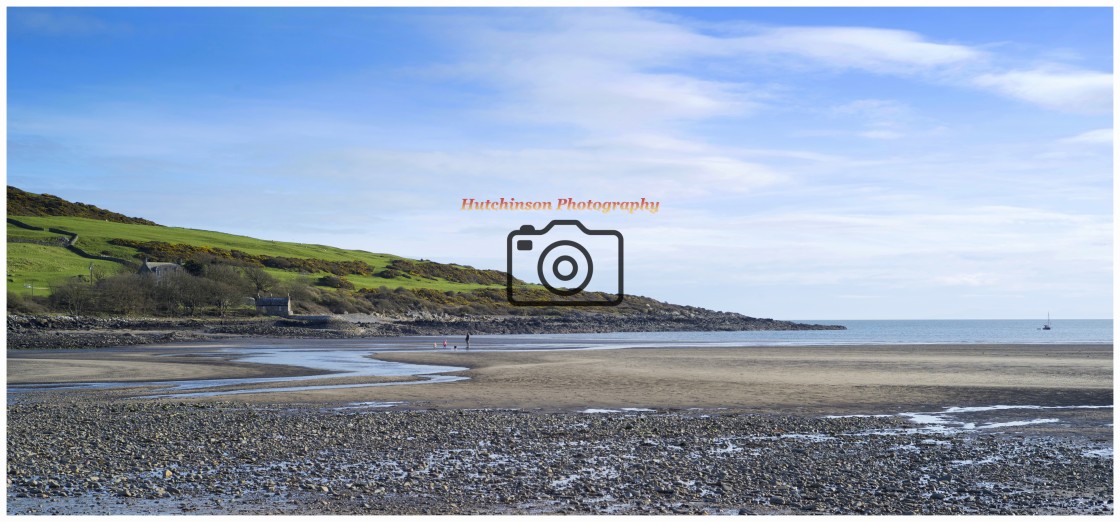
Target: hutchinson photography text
(563, 204)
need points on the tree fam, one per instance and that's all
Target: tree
(259, 280)
(73, 297)
(199, 262)
(191, 292)
(174, 292)
(300, 289)
(224, 286)
(126, 294)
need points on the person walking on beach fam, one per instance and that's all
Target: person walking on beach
(445, 344)
(468, 341)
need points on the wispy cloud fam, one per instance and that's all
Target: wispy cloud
(1055, 88)
(1093, 137)
(61, 22)
(883, 119)
(602, 71)
(971, 279)
(875, 109)
(882, 134)
(871, 49)
(947, 246)
(612, 69)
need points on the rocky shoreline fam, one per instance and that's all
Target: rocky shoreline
(46, 332)
(111, 457)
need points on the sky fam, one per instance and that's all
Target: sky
(809, 163)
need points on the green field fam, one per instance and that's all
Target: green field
(41, 266)
(23, 233)
(95, 236)
(46, 265)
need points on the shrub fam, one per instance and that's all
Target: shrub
(74, 297)
(22, 304)
(334, 281)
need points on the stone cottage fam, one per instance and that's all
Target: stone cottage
(281, 306)
(158, 269)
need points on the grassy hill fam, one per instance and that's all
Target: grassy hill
(44, 265)
(51, 251)
(33, 269)
(50, 258)
(40, 263)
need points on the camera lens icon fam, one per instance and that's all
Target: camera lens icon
(565, 262)
(553, 258)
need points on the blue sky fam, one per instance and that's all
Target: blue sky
(845, 163)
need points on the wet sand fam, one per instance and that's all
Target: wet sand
(792, 379)
(136, 365)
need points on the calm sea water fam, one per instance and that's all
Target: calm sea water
(1096, 331)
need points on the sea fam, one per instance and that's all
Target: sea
(976, 331)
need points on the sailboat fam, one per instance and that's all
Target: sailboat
(1047, 325)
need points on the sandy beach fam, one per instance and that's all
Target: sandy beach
(793, 379)
(789, 379)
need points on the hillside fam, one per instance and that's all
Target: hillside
(22, 203)
(36, 255)
(81, 265)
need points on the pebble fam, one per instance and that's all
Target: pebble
(101, 457)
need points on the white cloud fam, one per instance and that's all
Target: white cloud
(1093, 137)
(974, 279)
(621, 69)
(619, 72)
(878, 50)
(548, 173)
(929, 242)
(649, 141)
(882, 134)
(610, 97)
(62, 22)
(883, 119)
(604, 71)
(875, 109)
(1067, 90)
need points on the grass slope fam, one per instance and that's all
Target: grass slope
(39, 266)
(23, 233)
(46, 265)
